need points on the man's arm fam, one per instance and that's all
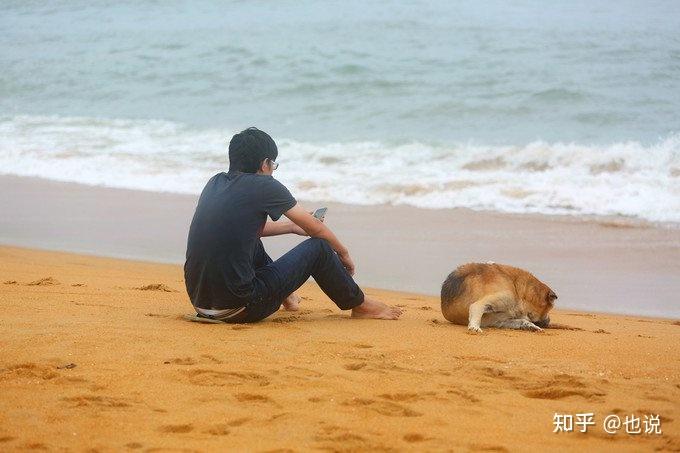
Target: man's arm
(278, 228)
(316, 229)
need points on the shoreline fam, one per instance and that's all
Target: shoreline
(103, 362)
(613, 221)
(593, 266)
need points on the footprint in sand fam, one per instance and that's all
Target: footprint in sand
(467, 396)
(134, 445)
(653, 397)
(28, 370)
(496, 373)
(414, 437)
(303, 373)
(406, 396)
(669, 444)
(239, 421)
(36, 446)
(67, 366)
(478, 358)
(100, 402)
(252, 398)
(355, 366)
(400, 396)
(155, 315)
(181, 361)
(213, 378)
(435, 322)
(342, 438)
(363, 346)
(218, 430)
(211, 358)
(10, 282)
(562, 386)
(335, 438)
(59, 374)
(47, 281)
(336, 316)
(556, 387)
(338, 435)
(278, 416)
(555, 326)
(176, 429)
(488, 447)
(156, 287)
(387, 408)
(285, 319)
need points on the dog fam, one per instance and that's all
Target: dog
(496, 295)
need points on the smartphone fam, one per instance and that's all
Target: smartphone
(320, 213)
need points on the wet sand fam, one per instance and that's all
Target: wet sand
(615, 265)
(95, 356)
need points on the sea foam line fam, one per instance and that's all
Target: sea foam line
(624, 179)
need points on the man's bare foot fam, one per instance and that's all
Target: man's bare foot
(292, 302)
(374, 309)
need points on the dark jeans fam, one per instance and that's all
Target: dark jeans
(276, 280)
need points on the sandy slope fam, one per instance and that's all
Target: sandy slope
(89, 361)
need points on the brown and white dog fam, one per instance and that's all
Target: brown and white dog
(496, 295)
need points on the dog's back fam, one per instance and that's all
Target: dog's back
(500, 288)
(469, 283)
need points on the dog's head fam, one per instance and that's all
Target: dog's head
(540, 300)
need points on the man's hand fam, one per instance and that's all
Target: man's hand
(315, 228)
(347, 262)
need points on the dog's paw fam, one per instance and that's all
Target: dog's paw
(528, 325)
(474, 329)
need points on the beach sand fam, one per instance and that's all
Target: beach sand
(95, 356)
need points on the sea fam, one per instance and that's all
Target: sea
(522, 106)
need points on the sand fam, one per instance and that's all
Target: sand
(95, 355)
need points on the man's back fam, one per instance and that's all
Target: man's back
(229, 218)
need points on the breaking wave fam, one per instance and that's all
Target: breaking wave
(623, 179)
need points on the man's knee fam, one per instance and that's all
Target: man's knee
(321, 244)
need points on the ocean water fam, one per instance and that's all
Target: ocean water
(516, 106)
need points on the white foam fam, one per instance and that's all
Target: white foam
(626, 179)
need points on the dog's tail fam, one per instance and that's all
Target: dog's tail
(452, 287)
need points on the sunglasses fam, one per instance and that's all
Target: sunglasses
(273, 164)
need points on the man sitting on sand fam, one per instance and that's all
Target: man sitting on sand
(228, 274)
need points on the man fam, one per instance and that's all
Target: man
(228, 274)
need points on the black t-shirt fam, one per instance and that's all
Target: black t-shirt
(228, 222)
